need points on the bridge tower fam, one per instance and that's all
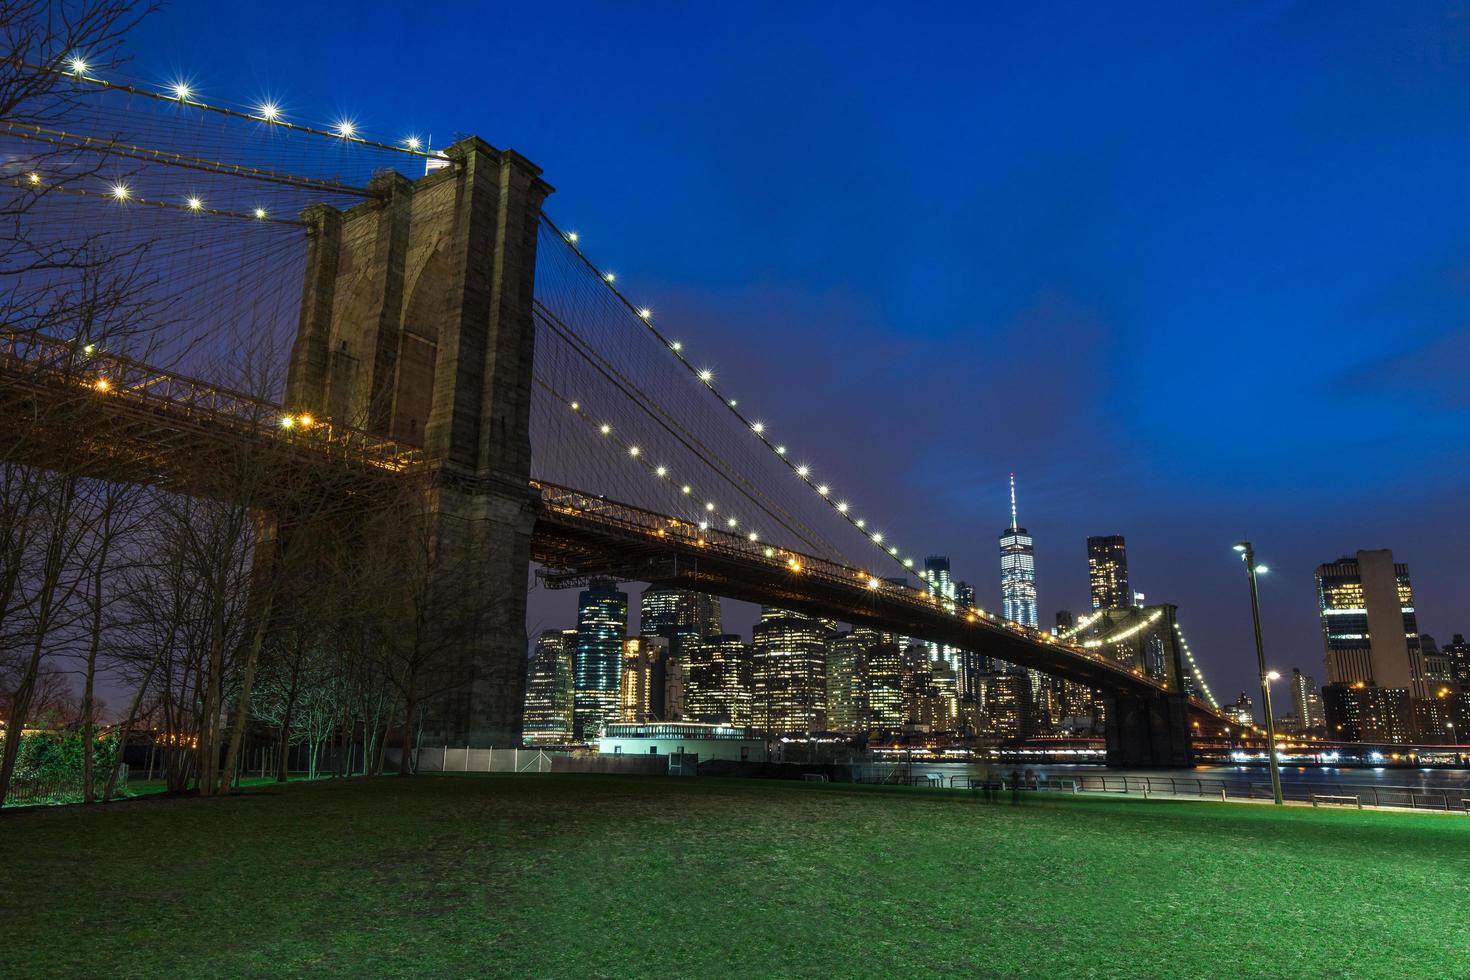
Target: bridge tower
(416, 324)
(1146, 730)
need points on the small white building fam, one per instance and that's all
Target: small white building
(687, 737)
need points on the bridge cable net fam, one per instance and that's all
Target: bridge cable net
(615, 414)
(161, 231)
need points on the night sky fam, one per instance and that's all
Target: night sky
(1194, 274)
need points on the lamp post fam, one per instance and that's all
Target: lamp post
(1251, 570)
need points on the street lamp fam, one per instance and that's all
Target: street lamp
(1248, 555)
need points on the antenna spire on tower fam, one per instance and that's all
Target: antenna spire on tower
(1014, 522)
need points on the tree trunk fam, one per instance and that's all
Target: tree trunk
(242, 710)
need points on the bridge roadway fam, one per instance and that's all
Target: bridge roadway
(591, 535)
(100, 415)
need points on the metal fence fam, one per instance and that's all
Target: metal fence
(66, 788)
(1317, 794)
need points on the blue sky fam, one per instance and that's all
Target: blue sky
(1192, 271)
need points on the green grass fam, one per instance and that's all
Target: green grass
(615, 876)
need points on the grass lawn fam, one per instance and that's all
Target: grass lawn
(618, 876)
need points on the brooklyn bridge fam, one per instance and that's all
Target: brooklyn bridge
(364, 319)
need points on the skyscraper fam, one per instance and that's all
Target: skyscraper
(847, 663)
(647, 687)
(717, 682)
(1107, 570)
(884, 686)
(1370, 636)
(602, 622)
(664, 611)
(1017, 570)
(1306, 701)
(548, 718)
(789, 669)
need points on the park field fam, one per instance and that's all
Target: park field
(580, 875)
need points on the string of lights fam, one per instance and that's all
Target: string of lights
(711, 514)
(706, 377)
(111, 147)
(268, 111)
(672, 426)
(1195, 669)
(1123, 634)
(119, 193)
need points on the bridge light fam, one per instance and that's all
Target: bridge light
(676, 346)
(646, 313)
(780, 450)
(609, 277)
(686, 489)
(1240, 548)
(706, 376)
(346, 129)
(120, 192)
(893, 550)
(758, 427)
(802, 471)
(842, 507)
(824, 489)
(908, 563)
(873, 583)
(102, 384)
(730, 522)
(576, 406)
(1262, 569)
(860, 522)
(260, 214)
(413, 142)
(605, 429)
(709, 505)
(733, 403)
(704, 525)
(306, 421)
(633, 450)
(572, 237)
(660, 471)
(78, 66)
(34, 177)
(181, 91)
(195, 204)
(794, 565)
(268, 111)
(877, 537)
(1273, 675)
(287, 421)
(770, 552)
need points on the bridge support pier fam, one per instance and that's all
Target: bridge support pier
(1148, 731)
(416, 324)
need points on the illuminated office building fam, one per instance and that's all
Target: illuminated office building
(548, 719)
(652, 685)
(602, 624)
(1243, 711)
(884, 685)
(847, 660)
(1107, 571)
(1371, 640)
(789, 670)
(1306, 701)
(717, 680)
(664, 612)
(1017, 570)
